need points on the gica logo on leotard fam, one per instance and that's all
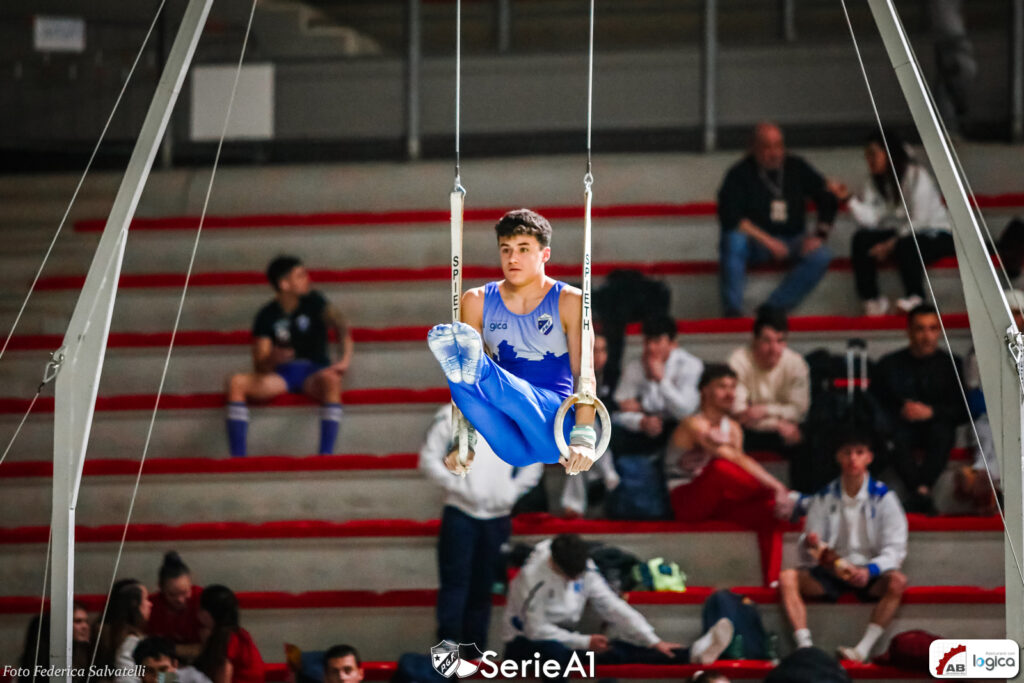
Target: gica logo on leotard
(497, 326)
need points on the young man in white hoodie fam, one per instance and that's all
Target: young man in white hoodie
(855, 539)
(475, 523)
(546, 601)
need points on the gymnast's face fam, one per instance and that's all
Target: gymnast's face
(522, 258)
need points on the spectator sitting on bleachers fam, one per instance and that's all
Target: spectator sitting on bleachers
(290, 336)
(229, 654)
(175, 614)
(158, 657)
(36, 652)
(708, 474)
(762, 210)
(342, 664)
(546, 602)
(918, 386)
(124, 626)
(972, 484)
(972, 481)
(884, 230)
(81, 629)
(855, 539)
(773, 391)
(574, 494)
(475, 523)
(655, 391)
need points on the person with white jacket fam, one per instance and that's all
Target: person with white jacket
(884, 230)
(855, 539)
(546, 600)
(475, 523)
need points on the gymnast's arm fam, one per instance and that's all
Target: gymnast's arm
(570, 309)
(473, 309)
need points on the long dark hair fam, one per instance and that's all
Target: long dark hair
(37, 646)
(898, 154)
(124, 618)
(222, 605)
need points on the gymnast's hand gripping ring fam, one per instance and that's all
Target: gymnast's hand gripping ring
(602, 415)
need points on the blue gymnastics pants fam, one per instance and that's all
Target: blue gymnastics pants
(516, 418)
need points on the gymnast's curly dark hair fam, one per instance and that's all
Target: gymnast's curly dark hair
(525, 222)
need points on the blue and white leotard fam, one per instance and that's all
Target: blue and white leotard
(513, 404)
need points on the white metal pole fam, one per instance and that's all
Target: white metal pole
(86, 339)
(990, 318)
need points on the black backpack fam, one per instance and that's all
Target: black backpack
(808, 665)
(839, 398)
(626, 296)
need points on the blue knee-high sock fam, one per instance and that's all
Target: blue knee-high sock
(238, 427)
(330, 421)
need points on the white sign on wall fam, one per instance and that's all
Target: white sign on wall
(58, 34)
(252, 116)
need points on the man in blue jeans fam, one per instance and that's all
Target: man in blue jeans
(762, 211)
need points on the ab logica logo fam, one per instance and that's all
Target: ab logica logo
(461, 661)
(973, 659)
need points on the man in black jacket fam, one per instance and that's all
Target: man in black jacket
(762, 211)
(919, 389)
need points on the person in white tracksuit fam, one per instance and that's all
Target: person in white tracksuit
(855, 539)
(546, 602)
(475, 523)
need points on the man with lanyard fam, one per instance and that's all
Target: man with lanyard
(289, 353)
(761, 208)
(532, 326)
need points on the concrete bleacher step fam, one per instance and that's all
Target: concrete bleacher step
(183, 490)
(381, 304)
(385, 625)
(399, 357)
(382, 554)
(287, 430)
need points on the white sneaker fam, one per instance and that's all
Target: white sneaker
(849, 654)
(710, 646)
(876, 307)
(909, 303)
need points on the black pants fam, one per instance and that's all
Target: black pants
(922, 451)
(934, 246)
(468, 552)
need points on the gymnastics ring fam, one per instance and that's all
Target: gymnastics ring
(602, 415)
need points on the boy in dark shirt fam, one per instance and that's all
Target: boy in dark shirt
(290, 355)
(919, 389)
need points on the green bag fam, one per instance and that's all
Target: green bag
(659, 575)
